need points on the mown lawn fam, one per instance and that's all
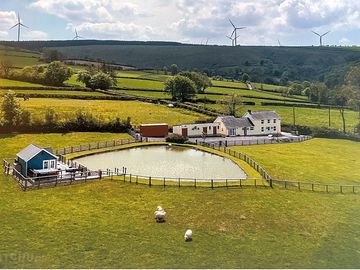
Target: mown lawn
(55, 92)
(140, 112)
(316, 160)
(18, 58)
(6, 82)
(108, 224)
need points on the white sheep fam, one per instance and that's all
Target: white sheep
(160, 214)
(188, 235)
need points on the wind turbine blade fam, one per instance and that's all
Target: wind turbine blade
(14, 26)
(233, 32)
(239, 28)
(315, 33)
(325, 33)
(232, 23)
(24, 25)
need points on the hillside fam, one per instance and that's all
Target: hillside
(273, 65)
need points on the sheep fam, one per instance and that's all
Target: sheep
(188, 235)
(160, 214)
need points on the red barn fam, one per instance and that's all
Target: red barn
(154, 130)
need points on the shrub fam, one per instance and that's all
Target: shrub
(175, 138)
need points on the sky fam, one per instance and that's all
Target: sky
(267, 22)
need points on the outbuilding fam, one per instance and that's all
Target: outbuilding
(154, 130)
(197, 130)
(34, 160)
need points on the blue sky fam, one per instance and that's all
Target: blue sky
(266, 21)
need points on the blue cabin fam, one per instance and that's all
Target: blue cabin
(34, 160)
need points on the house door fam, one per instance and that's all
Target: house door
(214, 130)
(204, 130)
(245, 131)
(184, 132)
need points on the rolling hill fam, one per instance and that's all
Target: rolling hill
(273, 65)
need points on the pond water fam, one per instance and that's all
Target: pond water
(166, 161)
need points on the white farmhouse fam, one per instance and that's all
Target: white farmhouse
(251, 124)
(264, 122)
(197, 130)
(232, 126)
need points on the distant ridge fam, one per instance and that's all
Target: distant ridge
(37, 45)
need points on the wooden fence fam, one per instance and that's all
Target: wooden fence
(92, 146)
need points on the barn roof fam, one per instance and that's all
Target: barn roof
(30, 151)
(233, 122)
(262, 115)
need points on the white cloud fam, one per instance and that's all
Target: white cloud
(7, 19)
(193, 21)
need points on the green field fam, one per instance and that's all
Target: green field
(6, 82)
(108, 224)
(56, 92)
(304, 116)
(140, 112)
(19, 59)
(316, 160)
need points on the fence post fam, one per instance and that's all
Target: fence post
(353, 189)
(341, 189)
(164, 183)
(179, 182)
(136, 180)
(327, 188)
(212, 183)
(226, 183)
(149, 181)
(195, 182)
(285, 183)
(271, 183)
(299, 185)
(130, 178)
(240, 183)
(312, 186)
(255, 182)
(124, 176)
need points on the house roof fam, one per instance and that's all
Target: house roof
(30, 151)
(233, 122)
(262, 115)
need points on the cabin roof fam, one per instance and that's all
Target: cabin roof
(32, 150)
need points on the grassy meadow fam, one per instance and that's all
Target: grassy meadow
(140, 112)
(109, 224)
(316, 160)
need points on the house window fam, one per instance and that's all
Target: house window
(268, 128)
(262, 129)
(232, 132)
(268, 121)
(274, 121)
(45, 164)
(52, 164)
(274, 128)
(251, 128)
(262, 121)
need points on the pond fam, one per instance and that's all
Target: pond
(166, 161)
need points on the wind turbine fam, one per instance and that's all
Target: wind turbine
(77, 37)
(235, 31)
(321, 36)
(19, 25)
(232, 40)
(279, 43)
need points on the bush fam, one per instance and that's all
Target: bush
(174, 138)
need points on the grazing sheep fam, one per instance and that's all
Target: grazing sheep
(188, 235)
(160, 214)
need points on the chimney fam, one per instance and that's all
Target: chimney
(249, 111)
